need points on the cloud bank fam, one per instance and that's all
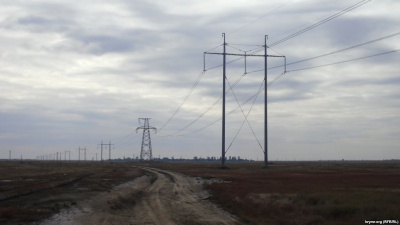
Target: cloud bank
(75, 74)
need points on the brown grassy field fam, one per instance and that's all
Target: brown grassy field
(285, 193)
(304, 192)
(32, 191)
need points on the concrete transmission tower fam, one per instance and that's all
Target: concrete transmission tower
(146, 150)
(265, 55)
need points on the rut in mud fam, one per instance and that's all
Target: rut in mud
(161, 197)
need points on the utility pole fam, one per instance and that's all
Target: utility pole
(101, 151)
(265, 55)
(65, 155)
(266, 103)
(109, 150)
(101, 155)
(223, 103)
(146, 149)
(9, 155)
(82, 149)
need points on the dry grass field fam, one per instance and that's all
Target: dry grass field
(31, 191)
(304, 192)
(286, 193)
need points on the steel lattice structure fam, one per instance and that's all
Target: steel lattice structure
(146, 150)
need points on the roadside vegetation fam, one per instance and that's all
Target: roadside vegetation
(304, 193)
(31, 191)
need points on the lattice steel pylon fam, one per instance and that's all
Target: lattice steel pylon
(146, 150)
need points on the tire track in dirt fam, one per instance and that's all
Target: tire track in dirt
(177, 199)
(42, 186)
(158, 198)
(151, 209)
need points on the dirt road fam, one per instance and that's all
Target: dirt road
(161, 197)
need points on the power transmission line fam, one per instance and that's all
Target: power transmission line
(109, 150)
(224, 54)
(245, 118)
(345, 49)
(185, 99)
(128, 139)
(259, 18)
(199, 77)
(146, 149)
(344, 11)
(345, 61)
(230, 112)
(335, 63)
(331, 53)
(282, 74)
(205, 112)
(287, 38)
(79, 150)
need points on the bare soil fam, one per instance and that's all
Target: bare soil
(32, 191)
(160, 197)
(106, 194)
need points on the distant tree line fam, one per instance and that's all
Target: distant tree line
(194, 159)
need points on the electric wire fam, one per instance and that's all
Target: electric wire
(345, 49)
(345, 61)
(251, 50)
(259, 18)
(205, 112)
(342, 12)
(346, 10)
(194, 121)
(230, 112)
(245, 118)
(332, 53)
(199, 77)
(241, 109)
(330, 64)
(125, 141)
(214, 48)
(307, 68)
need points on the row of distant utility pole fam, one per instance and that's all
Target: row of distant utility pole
(54, 156)
(9, 156)
(58, 155)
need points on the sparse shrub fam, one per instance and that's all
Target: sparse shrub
(13, 213)
(8, 212)
(327, 194)
(337, 212)
(315, 200)
(126, 201)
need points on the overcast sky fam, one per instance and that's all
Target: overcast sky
(73, 74)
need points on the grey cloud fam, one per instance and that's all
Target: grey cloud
(44, 24)
(347, 31)
(101, 44)
(111, 62)
(377, 81)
